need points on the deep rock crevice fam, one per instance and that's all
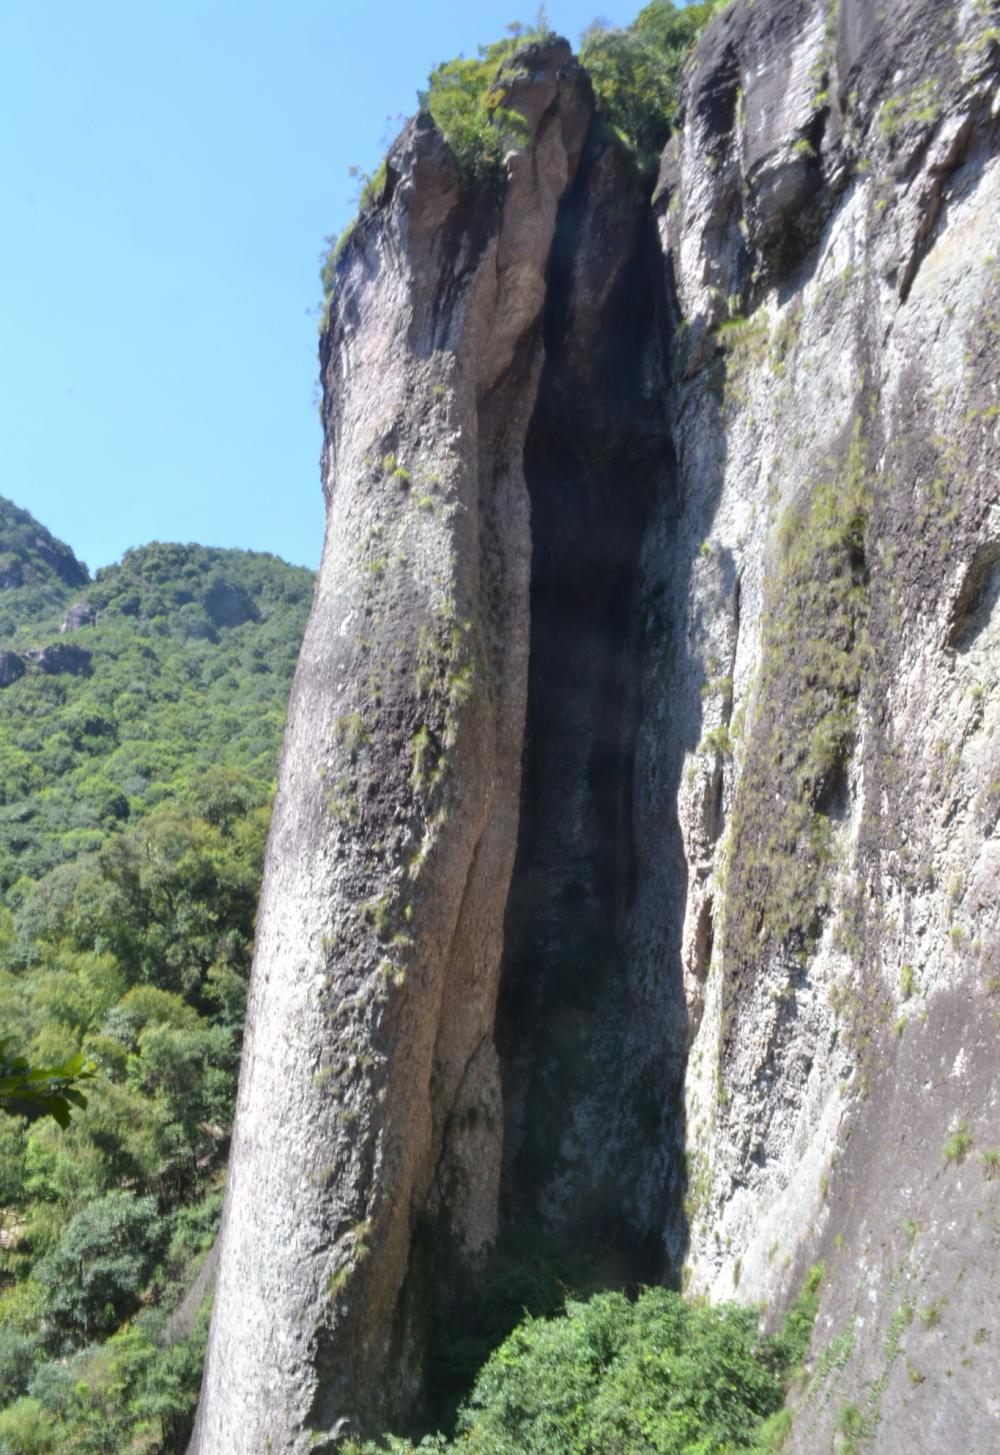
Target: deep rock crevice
(597, 453)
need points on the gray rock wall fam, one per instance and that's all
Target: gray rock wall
(581, 1113)
(829, 211)
(369, 1093)
(705, 496)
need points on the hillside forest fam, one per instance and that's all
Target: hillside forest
(140, 723)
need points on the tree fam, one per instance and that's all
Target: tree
(94, 1274)
(37, 1091)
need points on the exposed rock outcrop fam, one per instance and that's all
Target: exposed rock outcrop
(29, 553)
(829, 209)
(81, 613)
(11, 668)
(705, 491)
(59, 657)
(61, 560)
(370, 1032)
(54, 659)
(584, 1100)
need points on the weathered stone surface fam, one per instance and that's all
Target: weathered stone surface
(735, 551)
(81, 613)
(585, 1144)
(29, 554)
(11, 668)
(59, 657)
(832, 585)
(61, 559)
(369, 1095)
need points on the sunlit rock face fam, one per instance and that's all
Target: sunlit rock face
(828, 210)
(634, 864)
(370, 1100)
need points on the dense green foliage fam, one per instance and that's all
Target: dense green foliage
(658, 1376)
(135, 799)
(636, 77)
(466, 99)
(528, 1272)
(34, 1091)
(636, 72)
(176, 707)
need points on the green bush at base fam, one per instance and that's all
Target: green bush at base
(658, 1376)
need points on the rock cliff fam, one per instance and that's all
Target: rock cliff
(829, 214)
(635, 856)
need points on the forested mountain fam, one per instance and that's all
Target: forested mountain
(36, 571)
(140, 721)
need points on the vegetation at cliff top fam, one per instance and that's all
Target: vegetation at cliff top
(134, 800)
(635, 73)
(466, 99)
(657, 1376)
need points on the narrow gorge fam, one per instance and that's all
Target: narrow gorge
(633, 873)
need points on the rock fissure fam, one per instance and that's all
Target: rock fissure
(597, 442)
(632, 874)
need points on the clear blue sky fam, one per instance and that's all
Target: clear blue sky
(170, 169)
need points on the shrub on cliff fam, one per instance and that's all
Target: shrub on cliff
(636, 72)
(465, 98)
(94, 1274)
(657, 1375)
(660, 1376)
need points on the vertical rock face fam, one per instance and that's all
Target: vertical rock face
(829, 212)
(692, 508)
(369, 1092)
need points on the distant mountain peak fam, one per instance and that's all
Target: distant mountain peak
(29, 552)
